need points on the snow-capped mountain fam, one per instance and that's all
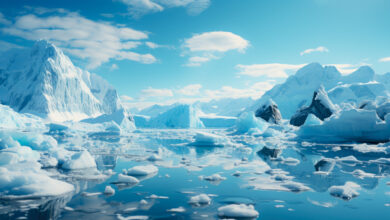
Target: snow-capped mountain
(43, 81)
(297, 90)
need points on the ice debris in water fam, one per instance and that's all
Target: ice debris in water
(248, 123)
(238, 211)
(213, 178)
(208, 139)
(347, 192)
(109, 190)
(201, 199)
(79, 160)
(142, 170)
(127, 179)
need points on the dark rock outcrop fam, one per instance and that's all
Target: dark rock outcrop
(320, 106)
(269, 112)
(269, 152)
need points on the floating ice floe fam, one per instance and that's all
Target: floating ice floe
(238, 211)
(109, 190)
(213, 178)
(247, 123)
(204, 139)
(79, 160)
(347, 192)
(142, 170)
(127, 179)
(200, 200)
(178, 209)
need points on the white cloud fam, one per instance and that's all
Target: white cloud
(204, 47)
(138, 8)
(384, 59)
(254, 91)
(126, 98)
(98, 42)
(151, 92)
(114, 67)
(190, 90)
(4, 46)
(270, 70)
(219, 41)
(3, 20)
(152, 45)
(311, 50)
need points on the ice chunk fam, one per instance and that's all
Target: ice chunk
(312, 120)
(248, 123)
(238, 211)
(127, 179)
(27, 179)
(142, 170)
(109, 190)
(79, 160)
(347, 192)
(269, 152)
(201, 199)
(180, 116)
(178, 209)
(213, 178)
(208, 139)
(216, 121)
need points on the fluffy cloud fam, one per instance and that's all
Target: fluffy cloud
(204, 47)
(384, 59)
(255, 91)
(219, 41)
(138, 8)
(190, 90)
(270, 70)
(311, 50)
(152, 92)
(98, 42)
(3, 20)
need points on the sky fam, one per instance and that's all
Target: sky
(164, 51)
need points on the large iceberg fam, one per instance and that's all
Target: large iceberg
(43, 81)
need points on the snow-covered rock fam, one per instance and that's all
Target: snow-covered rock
(238, 211)
(79, 160)
(43, 81)
(321, 107)
(269, 112)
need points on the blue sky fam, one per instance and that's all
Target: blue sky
(185, 50)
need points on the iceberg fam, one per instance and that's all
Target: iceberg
(269, 112)
(238, 211)
(248, 123)
(79, 160)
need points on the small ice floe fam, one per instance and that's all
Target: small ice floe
(109, 190)
(215, 178)
(361, 174)
(238, 211)
(134, 217)
(153, 196)
(290, 161)
(346, 192)
(143, 202)
(295, 186)
(322, 204)
(154, 157)
(89, 194)
(349, 160)
(279, 206)
(204, 139)
(79, 160)
(178, 209)
(127, 179)
(200, 200)
(142, 170)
